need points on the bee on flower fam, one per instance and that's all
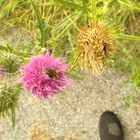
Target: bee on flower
(45, 75)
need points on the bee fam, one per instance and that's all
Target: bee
(53, 75)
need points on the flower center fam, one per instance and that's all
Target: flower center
(51, 73)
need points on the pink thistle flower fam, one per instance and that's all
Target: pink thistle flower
(45, 75)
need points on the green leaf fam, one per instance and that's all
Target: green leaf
(130, 4)
(9, 49)
(94, 9)
(70, 39)
(128, 37)
(74, 76)
(70, 4)
(63, 26)
(13, 116)
(40, 25)
(129, 99)
(84, 5)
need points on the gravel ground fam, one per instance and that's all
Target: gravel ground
(74, 114)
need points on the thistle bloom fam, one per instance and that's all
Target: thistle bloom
(44, 76)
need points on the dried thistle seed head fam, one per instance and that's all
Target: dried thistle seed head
(95, 46)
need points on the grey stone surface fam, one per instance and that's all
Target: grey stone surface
(74, 113)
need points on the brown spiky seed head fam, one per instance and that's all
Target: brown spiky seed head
(95, 46)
